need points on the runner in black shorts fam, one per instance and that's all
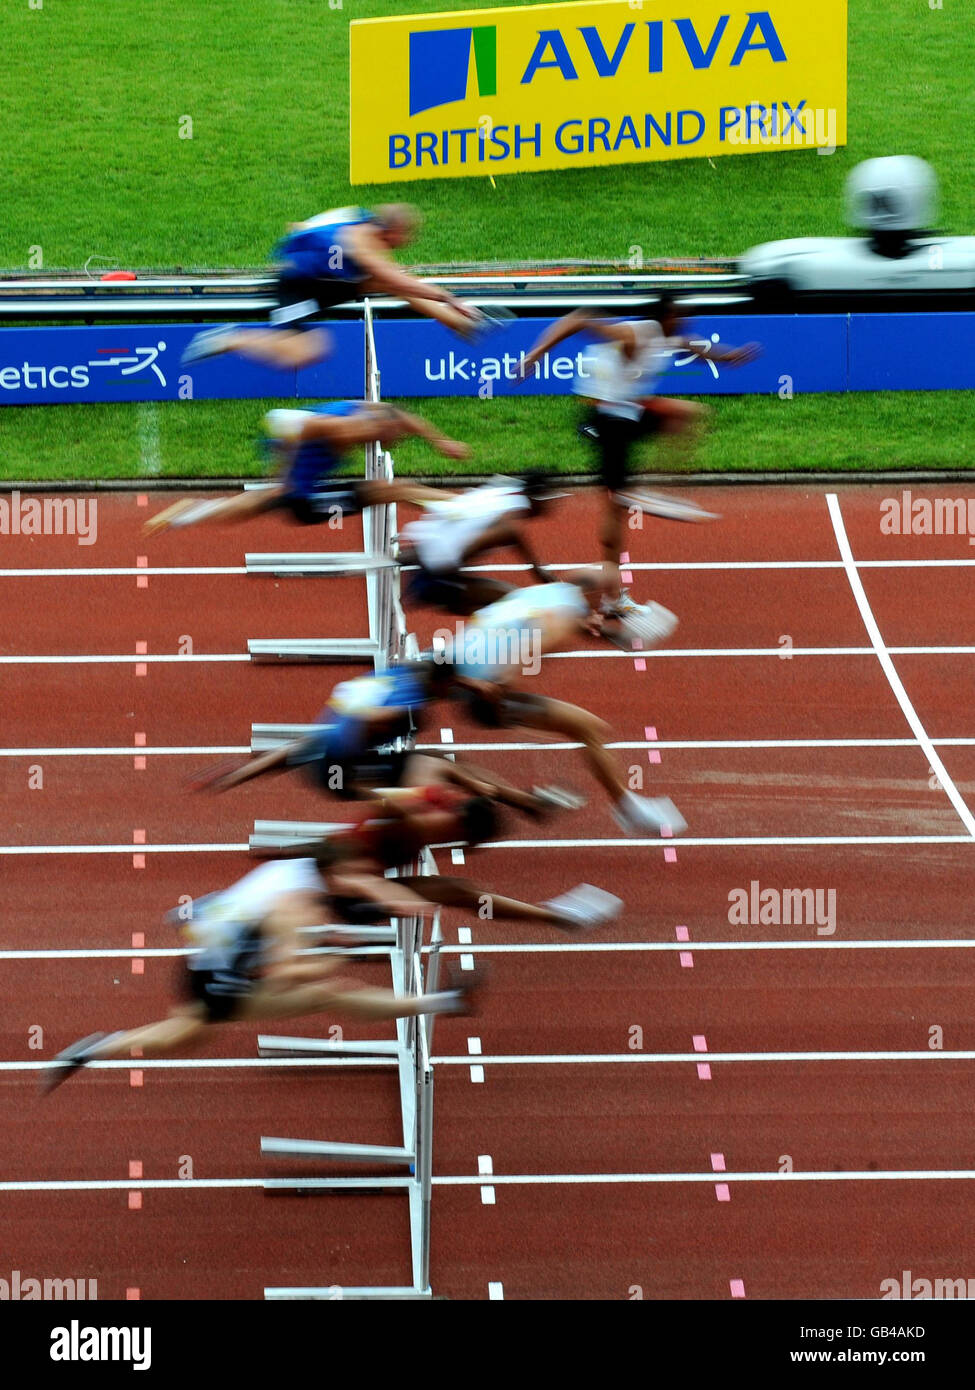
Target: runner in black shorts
(250, 968)
(308, 446)
(621, 386)
(340, 255)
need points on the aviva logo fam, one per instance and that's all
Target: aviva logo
(440, 64)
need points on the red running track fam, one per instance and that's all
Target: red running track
(782, 740)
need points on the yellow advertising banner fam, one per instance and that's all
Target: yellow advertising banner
(502, 91)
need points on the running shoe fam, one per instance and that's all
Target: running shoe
(673, 508)
(641, 624)
(463, 992)
(66, 1063)
(639, 814)
(585, 907)
(210, 343)
(163, 520)
(557, 798)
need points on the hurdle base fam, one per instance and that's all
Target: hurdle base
(335, 563)
(394, 1155)
(339, 1294)
(346, 649)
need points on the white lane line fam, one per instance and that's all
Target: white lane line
(660, 566)
(126, 660)
(124, 849)
(584, 1179)
(124, 571)
(687, 841)
(532, 746)
(511, 1180)
(663, 653)
(213, 1063)
(567, 948)
(502, 747)
(682, 1058)
(566, 1059)
(883, 656)
(127, 752)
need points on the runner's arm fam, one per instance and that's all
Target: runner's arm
(366, 248)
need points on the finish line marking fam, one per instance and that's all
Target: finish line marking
(883, 656)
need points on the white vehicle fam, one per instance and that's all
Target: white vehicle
(894, 199)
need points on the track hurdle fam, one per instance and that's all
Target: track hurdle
(409, 1163)
(375, 563)
(405, 1166)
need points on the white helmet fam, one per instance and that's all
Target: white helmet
(894, 194)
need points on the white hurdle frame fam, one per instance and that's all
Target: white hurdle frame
(415, 967)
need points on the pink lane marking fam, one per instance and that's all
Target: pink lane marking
(142, 582)
(142, 648)
(139, 763)
(138, 861)
(138, 966)
(135, 1201)
(135, 1078)
(140, 740)
(686, 960)
(138, 837)
(135, 1051)
(625, 557)
(703, 1071)
(670, 855)
(626, 576)
(138, 940)
(640, 664)
(141, 669)
(142, 562)
(722, 1191)
(133, 1294)
(135, 1167)
(142, 500)
(718, 1163)
(737, 1288)
(700, 1043)
(650, 734)
(139, 760)
(682, 934)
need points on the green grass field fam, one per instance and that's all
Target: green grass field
(94, 171)
(216, 439)
(92, 165)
